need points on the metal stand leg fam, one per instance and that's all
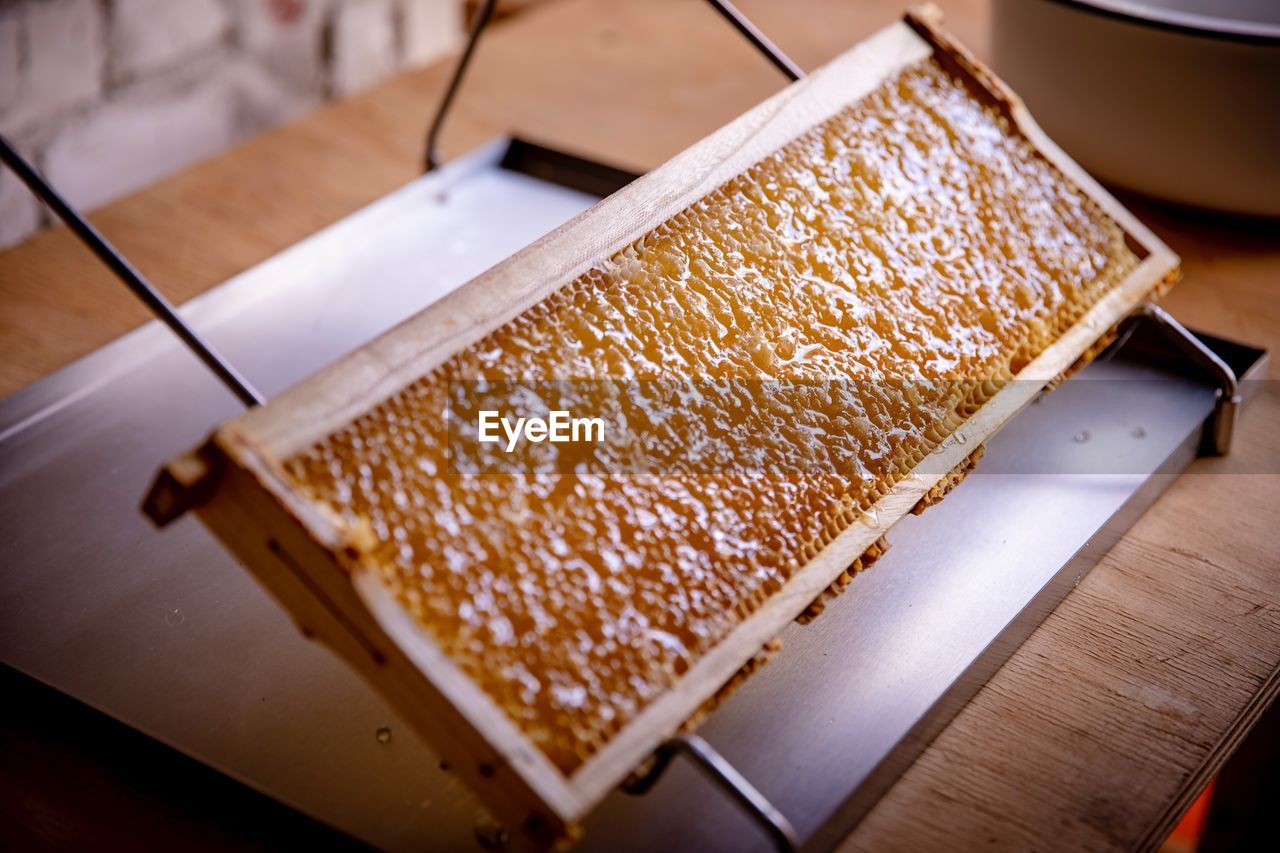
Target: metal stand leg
(739, 21)
(483, 16)
(726, 777)
(126, 272)
(761, 42)
(1217, 439)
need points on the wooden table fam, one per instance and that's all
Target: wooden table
(1101, 728)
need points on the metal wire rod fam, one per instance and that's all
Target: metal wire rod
(726, 777)
(730, 12)
(762, 43)
(455, 82)
(125, 271)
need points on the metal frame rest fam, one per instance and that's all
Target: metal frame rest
(1226, 410)
(725, 776)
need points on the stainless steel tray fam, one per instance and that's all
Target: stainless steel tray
(163, 631)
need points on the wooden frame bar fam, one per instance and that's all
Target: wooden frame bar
(237, 483)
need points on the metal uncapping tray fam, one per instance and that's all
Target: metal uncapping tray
(162, 630)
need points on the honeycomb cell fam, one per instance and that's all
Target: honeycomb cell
(912, 247)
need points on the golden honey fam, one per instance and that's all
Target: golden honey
(911, 238)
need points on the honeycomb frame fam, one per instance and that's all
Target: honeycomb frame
(317, 567)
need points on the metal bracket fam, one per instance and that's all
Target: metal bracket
(725, 776)
(1226, 411)
(740, 22)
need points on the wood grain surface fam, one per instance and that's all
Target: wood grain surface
(1095, 734)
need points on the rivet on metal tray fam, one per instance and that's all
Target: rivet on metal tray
(490, 834)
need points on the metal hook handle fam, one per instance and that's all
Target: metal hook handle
(125, 271)
(726, 777)
(1226, 411)
(1217, 440)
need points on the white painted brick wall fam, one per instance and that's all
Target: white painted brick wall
(141, 136)
(107, 96)
(61, 60)
(264, 100)
(146, 36)
(287, 37)
(428, 28)
(363, 44)
(10, 56)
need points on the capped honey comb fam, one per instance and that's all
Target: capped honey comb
(912, 247)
